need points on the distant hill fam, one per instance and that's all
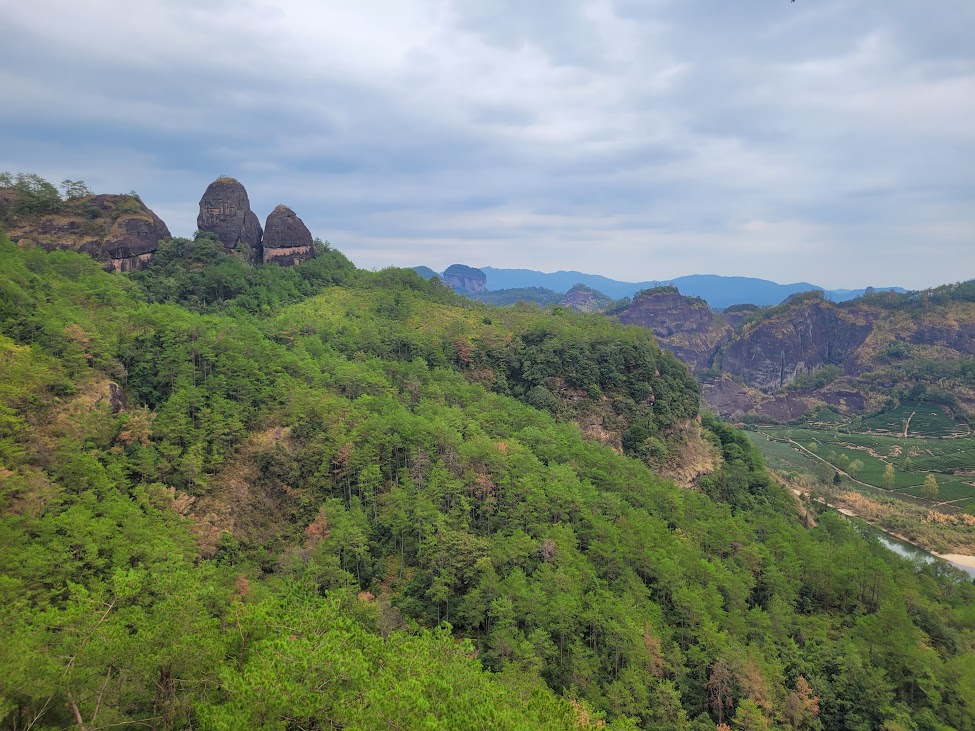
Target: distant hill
(586, 299)
(858, 356)
(425, 272)
(718, 291)
(504, 297)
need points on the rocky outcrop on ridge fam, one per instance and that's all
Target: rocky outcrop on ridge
(685, 326)
(773, 352)
(585, 299)
(463, 278)
(119, 231)
(736, 315)
(287, 240)
(123, 233)
(226, 211)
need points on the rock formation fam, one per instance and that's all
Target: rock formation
(585, 299)
(226, 211)
(287, 240)
(737, 314)
(686, 326)
(771, 353)
(465, 279)
(117, 230)
(133, 238)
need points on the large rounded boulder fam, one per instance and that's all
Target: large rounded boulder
(225, 210)
(287, 240)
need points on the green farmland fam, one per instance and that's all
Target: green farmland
(823, 446)
(919, 419)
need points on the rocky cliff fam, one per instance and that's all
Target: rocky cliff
(287, 239)
(810, 333)
(685, 326)
(736, 315)
(226, 211)
(585, 299)
(808, 352)
(463, 278)
(118, 230)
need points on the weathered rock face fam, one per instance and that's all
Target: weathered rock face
(133, 238)
(117, 230)
(226, 211)
(465, 279)
(771, 353)
(873, 348)
(737, 314)
(585, 299)
(949, 334)
(685, 326)
(287, 240)
(733, 399)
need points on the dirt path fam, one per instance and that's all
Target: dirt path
(847, 475)
(908, 422)
(827, 462)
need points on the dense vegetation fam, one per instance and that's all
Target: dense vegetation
(342, 499)
(956, 292)
(504, 297)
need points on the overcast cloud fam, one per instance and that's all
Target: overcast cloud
(830, 141)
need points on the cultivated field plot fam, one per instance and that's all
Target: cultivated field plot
(919, 418)
(783, 456)
(865, 458)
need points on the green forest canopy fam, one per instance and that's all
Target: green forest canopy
(343, 499)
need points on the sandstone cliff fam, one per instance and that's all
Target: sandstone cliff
(808, 352)
(685, 326)
(464, 278)
(585, 299)
(226, 211)
(773, 352)
(736, 315)
(854, 356)
(287, 240)
(118, 230)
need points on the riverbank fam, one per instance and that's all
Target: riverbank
(842, 507)
(958, 558)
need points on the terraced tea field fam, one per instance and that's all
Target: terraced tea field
(917, 419)
(823, 446)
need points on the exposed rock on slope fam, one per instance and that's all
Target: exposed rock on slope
(685, 326)
(465, 279)
(853, 356)
(737, 314)
(117, 230)
(287, 240)
(771, 353)
(585, 299)
(808, 352)
(226, 211)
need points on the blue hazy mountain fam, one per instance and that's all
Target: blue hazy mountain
(718, 291)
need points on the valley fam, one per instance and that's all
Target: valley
(245, 485)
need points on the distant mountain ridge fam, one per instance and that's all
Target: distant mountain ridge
(855, 357)
(718, 291)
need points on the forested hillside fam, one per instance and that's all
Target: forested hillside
(238, 497)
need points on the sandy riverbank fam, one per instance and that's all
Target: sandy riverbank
(959, 558)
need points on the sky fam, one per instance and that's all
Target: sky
(827, 141)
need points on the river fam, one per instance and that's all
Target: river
(907, 550)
